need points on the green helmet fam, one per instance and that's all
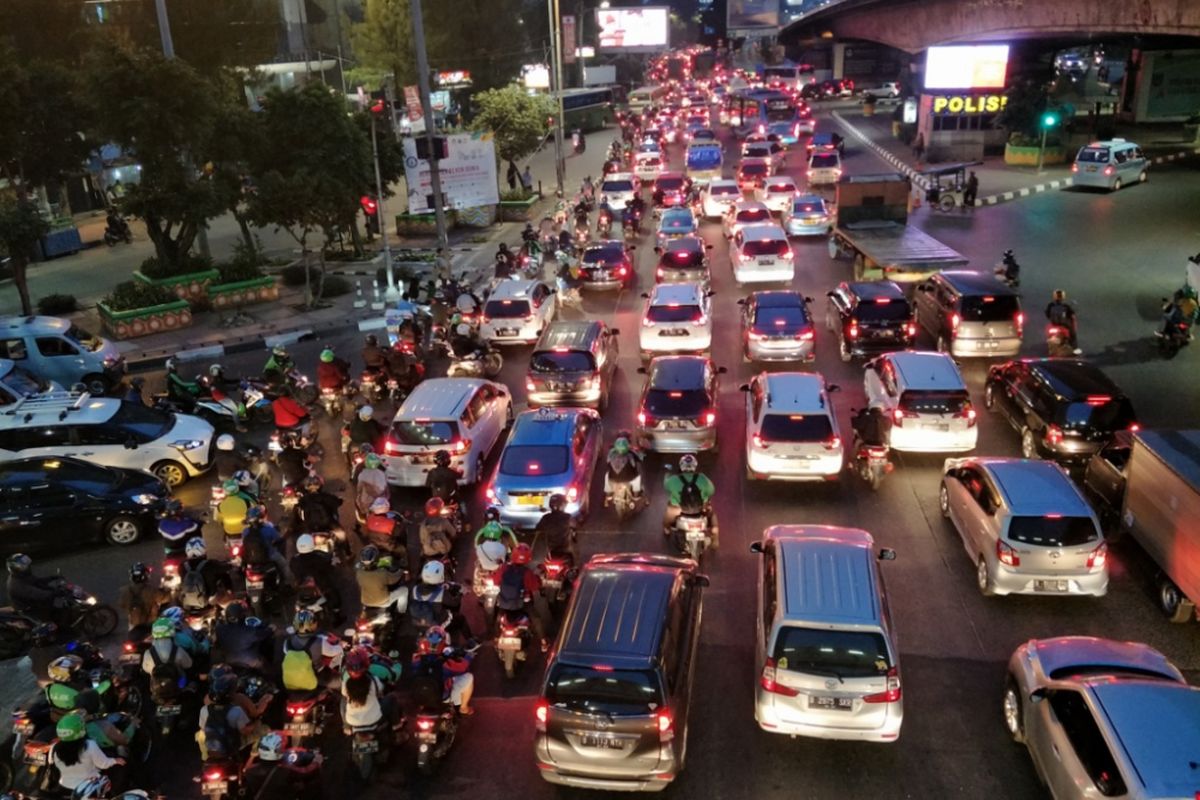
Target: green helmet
(621, 445)
(327, 355)
(71, 728)
(372, 461)
(231, 486)
(492, 530)
(456, 319)
(162, 628)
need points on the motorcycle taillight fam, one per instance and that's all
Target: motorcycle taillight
(425, 723)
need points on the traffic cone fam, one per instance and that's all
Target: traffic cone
(377, 303)
(359, 300)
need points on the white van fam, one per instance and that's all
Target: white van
(1110, 165)
(60, 351)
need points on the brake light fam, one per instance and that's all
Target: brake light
(1020, 320)
(891, 694)
(796, 129)
(297, 709)
(572, 494)
(1006, 554)
(806, 335)
(762, 128)
(1074, 168)
(644, 418)
(1098, 557)
(852, 332)
(235, 550)
(1108, 170)
(529, 386)
(768, 684)
(954, 320)
(214, 775)
(128, 647)
(1134, 427)
(759, 442)
(541, 712)
(910, 328)
(899, 415)
(659, 273)
(833, 443)
(391, 446)
(491, 494)
(1054, 435)
(462, 445)
(666, 726)
(1098, 399)
(710, 419)
(622, 272)
(425, 724)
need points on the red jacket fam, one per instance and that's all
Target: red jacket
(333, 375)
(288, 413)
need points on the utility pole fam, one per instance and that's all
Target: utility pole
(392, 290)
(435, 178)
(556, 80)
(164, 28)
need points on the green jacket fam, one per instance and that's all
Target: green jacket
(674, 486)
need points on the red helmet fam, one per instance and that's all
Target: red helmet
(434, 506)
(358, 661)
(522, 554)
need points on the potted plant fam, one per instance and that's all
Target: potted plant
(242, 283)
(516, 205)
(136, 308)
(868, 104)
(188, 278)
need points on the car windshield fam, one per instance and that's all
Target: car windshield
(1052, 530)
(1101, 413)
(823, 161)
(534, 459)
(676, 402)
(765, 247)
(754, 169)
(796, 428)
(84, 338)
(674, 312)
(506, 309)
(808, 207)
(24, 384)
(894, 310)
(779, 319)
(749, 215)
(935, 402)
(145, 424)
(669, 184)
(990, 308)
(424, 433)
(551, 361)
(832, 653)
(617, 186)
(1093, 155)
(611, 691)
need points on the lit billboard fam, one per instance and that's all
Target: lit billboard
(632, 30)
(973, 66)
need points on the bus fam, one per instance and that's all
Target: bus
(641, 99)
(764, 111)
(588, 109)
(787, 77)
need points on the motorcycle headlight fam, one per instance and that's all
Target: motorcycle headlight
(89, 600)
(187, 444)
(144, 499)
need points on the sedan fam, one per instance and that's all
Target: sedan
(648, 166)
(677, 319)
(674, 223)
(677, 412)
(606, 265)
(777, 193)
(718, 196)
(776, 326)
(683, 260)
(671, 189)
(807, 215)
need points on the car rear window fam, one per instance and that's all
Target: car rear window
(990, 308)
(895, 310)
(677, 222)
(1094, 155)
(757, 151)
(796, 428)
(752, 215)
(670, 184)
(935, 402)
(807, 207)
(1100, 412)
(783, 319)
(766, 247)
(617, 186)
(603, 255)
(725, 191)
(833, 653)
(780, 187)
(506, 309)
(534, 459)
(550, 361)
(649, 162)
(754, 169)
(613, 691)
(823, 161)
(674, 313)
(676, 402)
(23, 383)
(1052, 530)
(424, 433)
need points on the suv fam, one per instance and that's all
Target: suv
(517, 311)
(1103, 718)
(870, 317)
(970, 314)
(1025, 526)
(677, 319)
(925, 400)
(791, 430)
(60, 351)
(1064, 408)
(614, 706)
(1110, 165)
(683, 260)
(776, 326)
(573, 364)
(606, 264)
(762, 254)
(677, 412)
(825, 647)
(107, 431)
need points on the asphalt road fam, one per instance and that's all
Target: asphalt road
(1115, 255)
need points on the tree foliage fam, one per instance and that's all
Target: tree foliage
(383, 41)
(516, 119)
(21, 226)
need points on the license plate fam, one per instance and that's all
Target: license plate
(602, 742)
(1051, 586)
(529, 500)
(215, 787)
(766, 262)
(986, 345)
(167, 711)
(552, 583)
(830, 703)
(366, 745)
(426, 736)
(674, 424)
(509, 642)
(300, 728)
(695, 535)
(1091, 169)
(673, 332)
(130, 658)
(942, 427)
(254, 584)
(506, 332)
(38, 757)
(600, 275)
(25, 726)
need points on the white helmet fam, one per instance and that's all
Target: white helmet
(225, 442)
(433, 573)
(380, 505)
(216, 371)
(270, 747)
(492, 554)
(463, 329)
(688, 463)
(305, 543)
(244, 478)
(366, 413)
(195, 548)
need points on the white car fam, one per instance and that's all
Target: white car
(925, 400)
(517, 311)
(777, 193)
(791, 429)
(762, 254)
(743, 213)
(619, 187)
(677, 319)
(647, 166)
(824, 168)
(718, 196)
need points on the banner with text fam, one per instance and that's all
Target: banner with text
(568, 39)
(468, 174)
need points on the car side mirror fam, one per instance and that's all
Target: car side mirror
(833, 387)
(922, 288)
(131, 443)
(722, 370)
(745, 387)
(831, 295)
(645, 296)
(887, 554)
(756, 547)
(1038, 695)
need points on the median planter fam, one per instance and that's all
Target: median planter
(145, 321)
(517, 210)
(243, 293)
(187, 286)
(416, 224)
(477, 216)
(1016, 155)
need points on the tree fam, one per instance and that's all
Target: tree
(515, 118)
(21, 228)
(47, 30)
(1027, 99)
(383, 41)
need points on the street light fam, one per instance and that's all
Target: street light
(1048, 121)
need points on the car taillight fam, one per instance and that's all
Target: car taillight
(1098, 557)
(462, 445)
(541, 713)
(622, 271)
(491, 494)
(796, 129)
(1020, 320)
(955, 319)
(214, 774)
(1006, 554)
(391, 447)
(969, 414)
(658, 273)
(645, 419)
(572, 494)
(891, 694)
(759, 442)
(1074, 168)
(1108, 170)
(832, 443)
(852, 331)
(666, 726)
(899, 415)
(910, 329)
(806, 335)
(1054, 435)
(710, 419)
(767, 681)
(529, 385)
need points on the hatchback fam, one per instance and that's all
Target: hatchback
(825, 143)
(791, 428)
(752, 172)
(1110, 165)
(673, 223)
(807, 215)
(745, 212)
(670, 190)
(824, 168)
(606, 265)
(777, 193)
(677, 412)
(925, 400)
(677, 319)
(970, 314)
(762, 254)
(870, 317)
(776, 326)
(764, 151)
(517, 311)
(573, 364)
(648, 166)
(718, 196)
(683, 260)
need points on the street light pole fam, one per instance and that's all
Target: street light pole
(392, 290)
(164, 28)
(1041, 150)
(435, 177)
(560, 167)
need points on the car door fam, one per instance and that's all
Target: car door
(1105, 475)
(17, 527)
(50, 517)
(754, 406)
(926, 300)
(961, 502)
(482, 420)
(108, 444)
(544, 301)
(59, 359)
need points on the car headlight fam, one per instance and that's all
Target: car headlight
(144, 499)
(187, 444)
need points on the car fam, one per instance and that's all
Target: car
(925, 400)
(651, 145)
(50, 503)
(970, 314)
(59, 350)
(619, 188)
(647, 166)
(517, 311)
(573, 364)
(17, 382)
(804, 120)
(826, 142)
(761, 254)
(464, 416)
(791, 429)
(752, 172)
(677, 412)
(683, 260)
(677, 319)
(777, 193)
(606, 264)
(745, 212)
(774, 152)
(1110, 165)
(870, 317)
(807, 215)
(109, 432)
(776, 326)
(671, 189)
(1025, 526)
(1102, 718)
(549, 451)
(692, 125)
(704, 135)
(674, 223)
(1065, 409)
(718, 196)
(824, 169)
(889, 89)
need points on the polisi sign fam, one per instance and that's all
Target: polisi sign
(969, 103)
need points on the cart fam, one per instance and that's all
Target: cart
(947, 184)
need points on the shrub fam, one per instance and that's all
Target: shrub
(53, 305)
(153, 268)
(335, 286)
(238, 269)
(402, 274)
(129, 295)
(413, 255)
(294, 275)
(515, 194)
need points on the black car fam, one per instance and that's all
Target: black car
(49, 503)
(606, 265)
(671, 189)
(870, 318)
(1065, 408)
(684, 259)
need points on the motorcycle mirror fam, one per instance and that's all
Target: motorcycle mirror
(808, 299)
(887, 554)
(745, 387)
(641, 370)
(701, 580)
(741, 301)
(756, 547)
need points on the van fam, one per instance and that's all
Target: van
(970, 314)
(573, 364)
(925, 400)
(615, 700)
(703, 161)
(825, 646)
(1110, 165)
(58, 350)
(643, 98)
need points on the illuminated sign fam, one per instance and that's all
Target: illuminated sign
(632, 29)
(969, 103)
(452, 78)
(976, 66)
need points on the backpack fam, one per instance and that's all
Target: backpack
(164, 678)
(216, 728)
(193, 593)
(691, 501)
(298, 672)
(512, 589)
(1060, 314)
(254, 547)
(422, 605)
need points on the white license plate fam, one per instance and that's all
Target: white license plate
(300, 728)
(366, 745)
(602, 742)
(830, 703)
(766, 262)
(25, 726)
(695, 535)
(1051, 586)
(506, 331)
(509, 643)
(426, 736)
(941, 427)
(167, 711)
(254, 584)
(1091, 169)
(986, 344)
(214, 787)
(674, 332)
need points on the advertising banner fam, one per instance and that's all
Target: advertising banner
(974, 66)
(749, 15)
(632, 30)
(412, 101)
(568, 39)
(468, 174)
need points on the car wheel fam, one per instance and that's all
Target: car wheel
(1029, 448)
(944, 501)
(169, 472)
(478, 476)
(1143, 177)
(1117, 185)
(508, 416)
(1173, 602)
(989, 398)
(1013, 714)
(96, 384)
(941, 344)
(122, 530)
(983, 578)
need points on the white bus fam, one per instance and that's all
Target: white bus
(640, 99)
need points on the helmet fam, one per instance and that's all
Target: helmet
(688, 463)
(138, 572)
(71, 728)
(217, 751)
(216, 371)
(433, 573)
(231, 486)
(173, 508)
(491, 514)
(558, 502)
(19, 562)
(305, 621)
(225, 442)
(312, 483)
(462, 329)
(172, 365)
(503, 247)
(235, 613)
(305, 543)
(88, 700)
(222, 688)
(491, 554)
(44, 634)
(254, 686)
(434, 507)
(358, 661)
(244, 478)
(93, 789)
(372, 341)
(279, 352)
(162, 628)
(372, 461)
(442, 458)
(365, 413)
(174, 614)
(380, 505)
(522, 554)
(455, 319)
(1008, 253)
(365, 448)
(434, 640)
(327, 356)
(196, 548)
(270, 747)
(63, 668)
(254, 514)
(1060, 295)
(621, 445)
(491, 530)
(369, 556)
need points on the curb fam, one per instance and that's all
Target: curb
(916, 177)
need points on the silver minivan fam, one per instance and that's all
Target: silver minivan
(1110, 165)
(60, 351)
(970, 314)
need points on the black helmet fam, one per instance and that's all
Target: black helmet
(368, 557)
(442, 458)
(372, 341)
(558, 502)
(88, 700)
(235, 613)
(222, 688)
(19, 563)
(491, 514)
(173, 507)
(1008, 253)
(138, 572)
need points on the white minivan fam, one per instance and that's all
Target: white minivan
(60, 351)
(925, 400)
(762, 254)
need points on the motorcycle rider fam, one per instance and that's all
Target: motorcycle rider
(437, 532)
(370, 485)
(179, 390)
(232, 511)
(309, 563)
(690, 491)
(227, 459)
(317, 512)
(380, 585)
(295, 463)
(213, 581)
(519, 585)
(495, 531)
(558, 528)
(289, 415)
(115, 226)
(277, 772)
(442, 480)
(623, 465)
(164, 651)
(196, 643)
(309, 655)
(224, 724)
(565, 243)
(870, 426)
(374, 357)
(67, 679)
(364, 429)
(134, 393)
(1172, 313)
(588, 190)
(139, 598)
(435, 658)
(606, 216)
(332, 372)
(77, 758)
(239, 644)
(366, 699)
(112, 740)
(634, 210)
(280, 362)
(262, 542)
(1059, 312)
(464, 343)
(386, 530)
(436, 601)
(41, 598)
(1010, 269)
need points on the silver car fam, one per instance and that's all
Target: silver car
(678, 409)
(807, 215)
(776, 326)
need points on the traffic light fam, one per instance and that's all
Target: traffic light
(441, 147)
(379, 103)
(369, 205)
(1049, 119)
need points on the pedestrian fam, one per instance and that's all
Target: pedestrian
(918, 147)
(511, 177)
(971, 190)
(441, 265)
(527, 179)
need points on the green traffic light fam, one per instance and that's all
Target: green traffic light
(1049, 120)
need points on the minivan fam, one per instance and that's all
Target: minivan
(615, 700)
(60, 351)
(791, 428)
(762, 254)
(825, 647)
(573, 365)
(925, 400)
(970, 314)
(1110, 165)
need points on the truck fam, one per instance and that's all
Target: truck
(1148, 482)
(871, 228)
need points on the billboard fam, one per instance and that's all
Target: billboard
(746, 15)
(632, 30)
(468, 175)
(970, 66)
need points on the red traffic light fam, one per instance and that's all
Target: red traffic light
(368, 204)
(377, 107)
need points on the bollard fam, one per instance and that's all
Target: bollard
(359, 300)
(377, 303)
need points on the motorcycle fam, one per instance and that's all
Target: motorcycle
(306, 716)
(32, 767)
(485, 587)
(1001, 272)
(1058, 341)
(435, 725)
(512, 643)
(625, 501)
(370, 748)
(16, 629)
(871, 462)
(370, 384)
(93, 619)
(130, 674)
(583, 233)
(309, 597)
(1176, 337)
(631, 224)
(558, 575)
(483, 363)
(256, 402)
(117, 230)
(262, 587)
(221, 413)
(692, 531)
(220, 780)
(604, 224)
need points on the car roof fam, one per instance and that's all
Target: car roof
(546, 426)
(795, 391)
(1155, 724)
(749, 205)
(921, 369)
(763, 232)
(34, 325)
(439, 398)
(40, 462)
(825, 154)
(670, 174)
(571, 334)
(725, 183)
(1074, 378)
(876, 290)
(1071, 652)
(1034, 487)
(60, 407)
(618, 176)
(677, 212)
(685, 292)
(821, 138)
(825, 572)
(512, 289)
(777, 298)
(814, 198)
(605, 244)
(971, 282)
(1112, 143)
(677, 372)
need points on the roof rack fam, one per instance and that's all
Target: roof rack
(64, 402)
